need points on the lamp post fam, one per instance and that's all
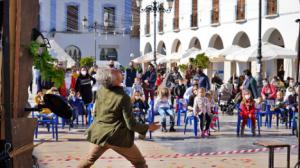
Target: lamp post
(95, 26)
(259, 55)
(155, 7)
(297, 80)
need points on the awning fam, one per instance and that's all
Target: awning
(58, 53)
(214, 55)
(147, 57)
(169, 58)
(269, 52)
(188, 54)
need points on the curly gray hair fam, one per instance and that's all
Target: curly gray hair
(105, 77)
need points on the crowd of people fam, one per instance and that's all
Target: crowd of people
(192, 89)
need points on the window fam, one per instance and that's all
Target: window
(161, 19)
(215, 12)
(107, 54)
(176, 16)
(272, 7)
(74, 52)
(147, 26)
(135, 29)
(72, 18)
(109, 16)
(194, 16)
(240, 10)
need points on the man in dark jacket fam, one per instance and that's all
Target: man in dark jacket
(203, 79)
(149, 79)
(173, 81)
(130, 75)
(250, 84)
(114, 124)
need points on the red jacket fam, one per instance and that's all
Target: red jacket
(247, 107)
(63, 90)
(73, 80)
(158, 81)
(269, 90)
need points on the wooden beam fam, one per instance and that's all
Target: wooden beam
(16, 72)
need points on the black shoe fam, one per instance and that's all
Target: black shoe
(163, 127)
(172, 129)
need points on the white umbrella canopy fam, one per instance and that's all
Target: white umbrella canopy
(147, 57)
(230, 50)
(214, 54)
(57, 52)
(188, 54)
(174, 57)
(269, 52)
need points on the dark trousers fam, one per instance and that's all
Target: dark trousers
(147, 92)
(207, 119)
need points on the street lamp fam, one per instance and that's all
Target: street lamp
(131, 55)
(155, 7)
(95, 26)
(259, 55)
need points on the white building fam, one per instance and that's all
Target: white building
(116, 37)
(220, 24)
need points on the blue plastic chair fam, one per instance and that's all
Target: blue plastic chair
(44, 119)
(150, 115)
(216, 112)
(180, 109)
(191, 119)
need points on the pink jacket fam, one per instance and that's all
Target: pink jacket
(202, 105)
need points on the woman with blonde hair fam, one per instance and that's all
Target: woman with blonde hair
(164, 107)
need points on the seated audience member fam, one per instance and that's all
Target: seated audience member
(247, 111)
(164, 107)
(202, 109)
(139, 106)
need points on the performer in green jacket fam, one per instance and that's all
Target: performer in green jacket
(114, 124)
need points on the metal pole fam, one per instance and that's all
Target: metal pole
(297, 77)
(6, 75)
(259, 54)
(95, 34)
(297, 80)
(154, 11)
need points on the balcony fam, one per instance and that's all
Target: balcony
(272, 8)
(147, 30)
(240, 13)
(176, 24)
(194, 21)
(160, 27)
(215, 17)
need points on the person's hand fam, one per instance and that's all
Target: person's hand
(154, 126)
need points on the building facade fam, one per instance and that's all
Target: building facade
(116, 36)
(220, 24)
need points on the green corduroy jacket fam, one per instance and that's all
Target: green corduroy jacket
(114, 122)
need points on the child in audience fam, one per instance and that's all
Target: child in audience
(280, 106)
(164, 107)
(178, 92)
(190, 105)
(139, 106)
(76, 103)
(137, 86)
(214, 114)
(247, 111)
(202, 109)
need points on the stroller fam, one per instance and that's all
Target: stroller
(225, 101)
